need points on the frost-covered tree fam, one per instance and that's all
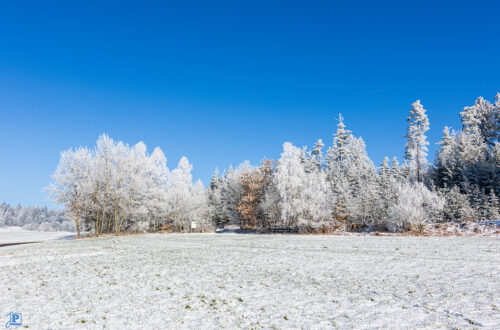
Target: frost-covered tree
(493, 210)
(271, 205)
(416, 142)
(396, 171)
(352, 176)
(35, 218)
(254, 183)
(119, 187)
(447, 160)
(232, 192)
(416, 205)
(494, 166)
(457, 206)
(388, 179)
(317, 154)
(156, 177)
(304, 198)
(472, 159)
(288, 179)
(71, 183)
(469, 158)
(115, 187)
(186, 202)
(483, 117)
(215, 205)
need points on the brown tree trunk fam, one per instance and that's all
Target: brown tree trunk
(77, 225)
(419, 179)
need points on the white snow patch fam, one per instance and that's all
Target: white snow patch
(19, 235)
(211, 281)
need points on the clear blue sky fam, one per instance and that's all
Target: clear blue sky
(221, 82)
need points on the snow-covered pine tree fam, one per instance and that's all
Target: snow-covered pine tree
(416, 142)
(457, 206)
(232, 192)
(472, 159)
(495, 167)
(337, 160)
(493, 207)
(386, 191)
(497, 115)
(396, 171)
(317, 154)
(215, 200)
(482, 116)
(351, 174)
(446, 163)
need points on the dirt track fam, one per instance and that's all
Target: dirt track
(8, 244)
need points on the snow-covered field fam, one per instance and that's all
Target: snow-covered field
(18, 235)
(254, 281)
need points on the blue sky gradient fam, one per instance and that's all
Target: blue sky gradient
(222, 82)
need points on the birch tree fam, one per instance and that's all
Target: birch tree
(71, 182)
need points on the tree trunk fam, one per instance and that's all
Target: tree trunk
(77, 225)
(419, 179)
(116, 222)
(97, 224)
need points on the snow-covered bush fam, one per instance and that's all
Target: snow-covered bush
(416, 205)
(305, 198)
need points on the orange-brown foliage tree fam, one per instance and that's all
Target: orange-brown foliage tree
(254, 183)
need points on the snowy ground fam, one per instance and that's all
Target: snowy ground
(253, 281)
(18, 235)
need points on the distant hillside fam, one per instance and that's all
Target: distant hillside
(35, 218)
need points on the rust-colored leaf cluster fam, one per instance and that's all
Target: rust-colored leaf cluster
(254, 183)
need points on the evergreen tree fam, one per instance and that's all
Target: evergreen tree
(352, 175)
(483, 117)
(386, 189)
(385, 171)
(396, 171)
(341, 143)
(215, 200)
(493, 207)
(446, 160)
(317, 154)
(472, 159)
(231, 194)
(416, 142)
(457, 206)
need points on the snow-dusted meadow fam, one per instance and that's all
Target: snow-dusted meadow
(10, 235)
(253, 281)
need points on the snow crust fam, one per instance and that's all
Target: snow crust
(210, 281)
(18, 234)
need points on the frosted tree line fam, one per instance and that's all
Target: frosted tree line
(35, 218)
(314, 191)
(117, 188)
(467, 167)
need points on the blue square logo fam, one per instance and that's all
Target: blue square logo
(14, 319)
